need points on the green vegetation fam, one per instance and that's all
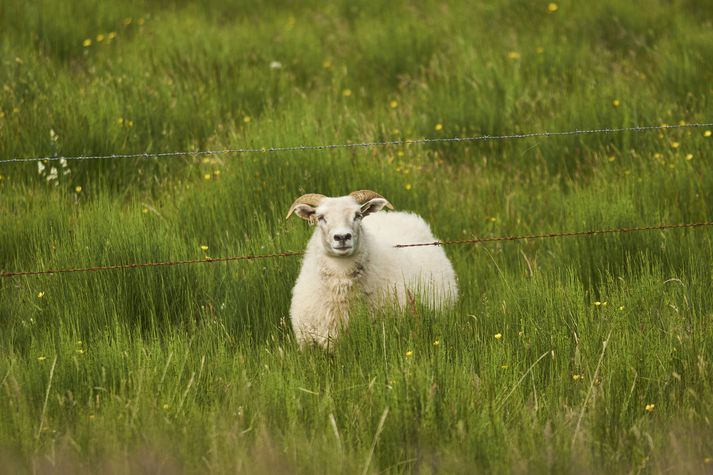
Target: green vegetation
(194, 368)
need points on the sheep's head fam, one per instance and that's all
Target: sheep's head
(339, 219)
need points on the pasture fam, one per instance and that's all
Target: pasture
(576, 354)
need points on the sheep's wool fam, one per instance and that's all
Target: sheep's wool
(376, 272)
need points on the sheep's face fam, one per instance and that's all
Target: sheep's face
(339, 222)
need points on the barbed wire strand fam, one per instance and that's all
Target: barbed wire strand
(207, 260)
(479, 138)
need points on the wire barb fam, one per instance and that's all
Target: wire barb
(296, 253)
(479, 138)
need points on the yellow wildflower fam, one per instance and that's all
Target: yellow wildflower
(436, 342)
(689, 157)
(612, 158)
(408, 186)
(498, 336)
(438, 126)
(78, 189)
(616, 102)
(165, 407)
(111, 35)
(513, 55)
(247, 119)
(650, 408)
(675, 144)
(204, 247)
(87, 43)
(207, 177)
(41, 358)
(707, 133)
(100, 38)
(621, 308)
(393, 104)
(552, 7)
(347, 92)
(576, 377)
(216, 172)
(40, 295)
(409, 353)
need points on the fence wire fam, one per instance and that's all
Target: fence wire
(207, 260)
(398, 142)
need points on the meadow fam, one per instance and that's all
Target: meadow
(578, 354)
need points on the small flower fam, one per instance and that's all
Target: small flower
(127, 21)
(675, 144)
(100, 38)
(204, 247)
(408, 186)
(41, 358)
(327, 63)
(708, 460)
(503, 366)
(612, 158)
(80, 351)
(145, 210)
(600, 304)
(438, 127)
(621, 308)
(707, 133)
(40, 295)
(347, 93)
(275, 65)
(409, 353)
(498, 336)
(689, 157)
(513, 55)
(247, 119)
(78, 189)
(393, 104)
(577, 377)
(207, 177)
(111, 36)
(650, 408)
(436, 342)
(165, 407)
(492, 219)
(216, 172)
(87, 43)
(552, 7)
(616, 102)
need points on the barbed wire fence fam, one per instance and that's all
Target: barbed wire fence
(398, 142)
(275, 255)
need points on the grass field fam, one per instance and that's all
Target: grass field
(567, 355)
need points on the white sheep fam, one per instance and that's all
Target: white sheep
(351, 254)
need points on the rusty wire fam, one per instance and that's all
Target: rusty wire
(206, 260)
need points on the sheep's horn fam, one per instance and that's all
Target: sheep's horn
(312, 199)
(362, 196)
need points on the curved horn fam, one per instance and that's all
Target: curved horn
(312, 199)
(362, 196)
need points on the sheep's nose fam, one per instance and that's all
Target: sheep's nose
(342, 237)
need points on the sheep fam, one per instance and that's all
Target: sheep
(351, 255)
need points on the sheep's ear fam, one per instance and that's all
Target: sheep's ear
(374, 205)
(304, 211)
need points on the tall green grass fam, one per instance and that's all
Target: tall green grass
(194, 368)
